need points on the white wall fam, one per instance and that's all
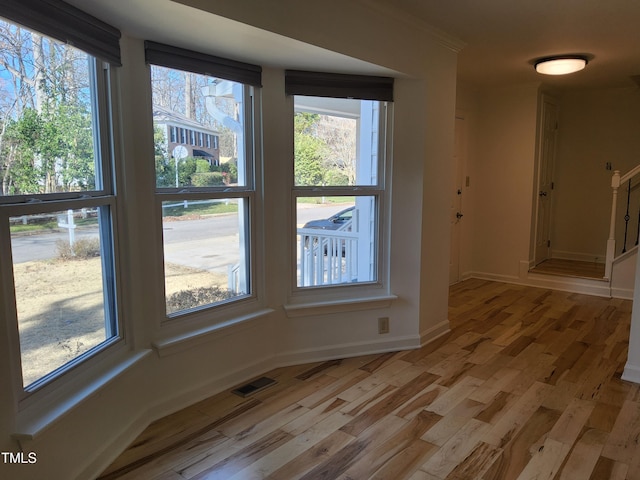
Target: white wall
(93, 430)
(500, 167)
(596, 126)
(468, 108)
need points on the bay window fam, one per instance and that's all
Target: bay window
(58, 197)
(339, 189)
(206, 196)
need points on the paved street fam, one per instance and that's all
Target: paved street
(210, 243)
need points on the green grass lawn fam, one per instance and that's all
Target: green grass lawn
(50, 225)
(199, 209)
(208, 208)
(326, 200)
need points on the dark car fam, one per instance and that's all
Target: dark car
(334, 222)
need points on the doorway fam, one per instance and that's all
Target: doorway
(544, 191)
(455, 213)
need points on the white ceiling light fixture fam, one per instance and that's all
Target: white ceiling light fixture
(561, 65)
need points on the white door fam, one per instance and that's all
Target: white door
(456, 200)
(548, 134)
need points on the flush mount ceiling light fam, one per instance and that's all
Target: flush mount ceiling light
(560, 65)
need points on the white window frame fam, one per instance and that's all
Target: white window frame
(378, 192)
(316, 298)
(104, 195)
(247, 191)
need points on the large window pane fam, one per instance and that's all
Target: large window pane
(55, 154)
(47, 129)
(336, 141)
(201, 142)
(64, 306)
(338, 190)
(336, 240)
(199, 130)
(204, 252)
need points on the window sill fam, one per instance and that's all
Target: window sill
(181, 342)
(338, 306)
(31, 422)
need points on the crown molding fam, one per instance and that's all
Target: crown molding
(388, 9)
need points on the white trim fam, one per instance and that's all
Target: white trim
(579, 256)
(181, 342)
(623, 293)
(338, 306)
(633, 250)
(631, 373)
(347, 350)
(585, 286)
(30, 425)
(435, 332)
(443, 38)
(492, 276)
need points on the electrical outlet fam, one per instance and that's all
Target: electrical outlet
(383, 325)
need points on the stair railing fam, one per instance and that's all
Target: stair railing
(622, 223)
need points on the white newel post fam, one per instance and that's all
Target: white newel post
(611, 242)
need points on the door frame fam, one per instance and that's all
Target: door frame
(544, 187)
(457, 190)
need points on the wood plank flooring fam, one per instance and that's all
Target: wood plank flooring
(526, 385)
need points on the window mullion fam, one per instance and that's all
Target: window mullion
(32, 208)
(336, 191)
(203, 195)
(8, 304)
(104, 126)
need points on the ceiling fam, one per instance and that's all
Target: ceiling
(502, 37)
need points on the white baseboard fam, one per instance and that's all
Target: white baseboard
(578, 256)
(631, 373)
(492, 277)
(623, 293)
(566, 284)
(433, 333)
(347, 350)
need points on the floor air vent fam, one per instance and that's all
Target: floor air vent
(254, 386)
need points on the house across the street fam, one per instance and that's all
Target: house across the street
(181, 131)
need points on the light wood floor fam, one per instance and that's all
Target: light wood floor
(527, 385)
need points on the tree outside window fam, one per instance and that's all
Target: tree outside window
(57, 197)
(338, 190)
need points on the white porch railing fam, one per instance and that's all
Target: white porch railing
(624, 229)
(326, 257)
(233, 278)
